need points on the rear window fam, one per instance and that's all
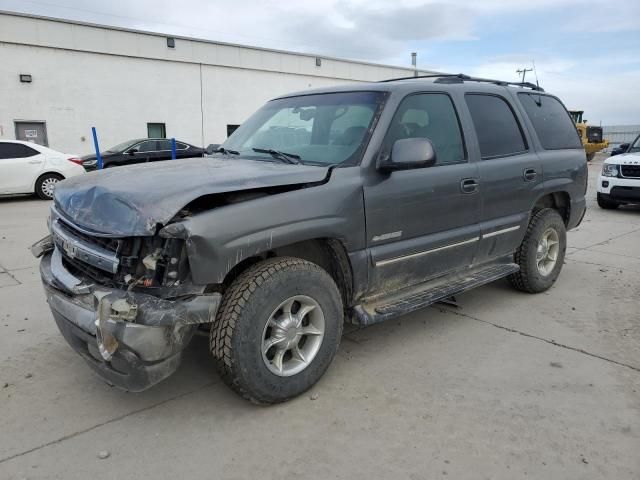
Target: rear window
(499, 133)
(551, 121)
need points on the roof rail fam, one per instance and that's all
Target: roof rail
(461, 78)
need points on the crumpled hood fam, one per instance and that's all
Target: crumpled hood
(133, 200)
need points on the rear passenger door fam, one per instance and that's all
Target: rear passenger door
(510, 173)
(422, 223)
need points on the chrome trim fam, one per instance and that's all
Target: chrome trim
(75, 247)
(500, 232)
(425, 252)
(62, 275)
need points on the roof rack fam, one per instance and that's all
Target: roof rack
(461, 78)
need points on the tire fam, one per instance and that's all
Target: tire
(607, 204)
(590, 156)
(245, 324)
(45, 184)
(538, 274)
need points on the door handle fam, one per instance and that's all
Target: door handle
(529, 174)
(35, 161)
(469, 185)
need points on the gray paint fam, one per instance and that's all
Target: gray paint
(133, 200)
(408, 212)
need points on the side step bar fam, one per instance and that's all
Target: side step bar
(403, 302)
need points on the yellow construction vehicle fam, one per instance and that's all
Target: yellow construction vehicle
(591, 136)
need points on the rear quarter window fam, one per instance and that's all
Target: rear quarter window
(551, 121)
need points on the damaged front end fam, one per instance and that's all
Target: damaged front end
(127, 305)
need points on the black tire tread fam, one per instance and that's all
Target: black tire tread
(520, 280)
(607, 204)
(231, 308)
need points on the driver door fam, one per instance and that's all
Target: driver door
(423, 223)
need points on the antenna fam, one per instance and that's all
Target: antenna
(523, 72)
(535, 72)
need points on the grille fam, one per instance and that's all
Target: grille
(630, 171)
(594, 134)
(112, 244)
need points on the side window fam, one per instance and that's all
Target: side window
(552, 123)
(148, 146)
(496, 126)
(432, 116)
(165, 145)
(16, 150)
(5, 151)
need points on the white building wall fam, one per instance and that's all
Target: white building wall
(120, 80)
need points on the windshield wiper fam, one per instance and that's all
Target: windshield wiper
(226, 150)
(285, 157)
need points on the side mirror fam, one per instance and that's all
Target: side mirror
(212, 148)
(624, 146)
(409, 153)
(133, 151)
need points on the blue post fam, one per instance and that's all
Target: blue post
(97, 147)
(173, 149)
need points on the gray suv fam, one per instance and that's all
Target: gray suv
(357, 203)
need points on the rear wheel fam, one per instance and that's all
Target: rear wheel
(607, 204)
(46, 184)
(590, 156)
(277, 329)
(541, 253)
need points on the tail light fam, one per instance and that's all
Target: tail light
(75, 160)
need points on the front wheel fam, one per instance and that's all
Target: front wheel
(277, 329)
(607, 204)
(541, 253)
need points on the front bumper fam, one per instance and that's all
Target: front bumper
(131, 340)
(619, 189)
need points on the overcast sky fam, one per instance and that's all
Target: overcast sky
(585, 51)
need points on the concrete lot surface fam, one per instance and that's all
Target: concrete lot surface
(507, 386)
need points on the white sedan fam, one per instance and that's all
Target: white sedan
(31, 168)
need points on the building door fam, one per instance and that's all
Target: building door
(35, 132)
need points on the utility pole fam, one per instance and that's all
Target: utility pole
(414, 62)
(523, 72)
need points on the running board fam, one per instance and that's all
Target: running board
(409, 300)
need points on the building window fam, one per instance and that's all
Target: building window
(171, 42)
(156, 130)
(231, 129)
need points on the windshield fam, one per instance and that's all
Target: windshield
(330, 128)
(121, 147)
(636, 146)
